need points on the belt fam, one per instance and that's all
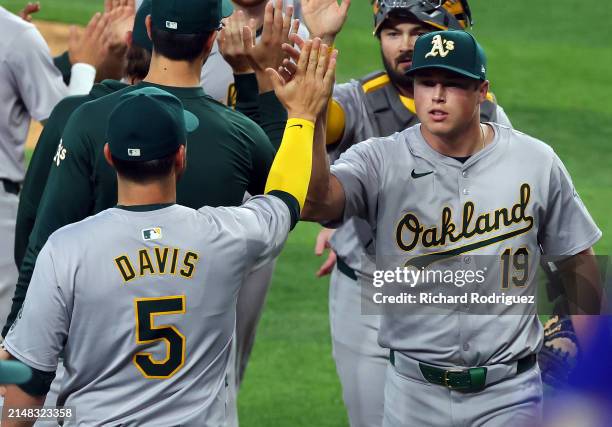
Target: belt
(11, 187)
(462, 379)
(345, 269)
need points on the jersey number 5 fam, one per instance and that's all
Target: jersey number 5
(147, 332)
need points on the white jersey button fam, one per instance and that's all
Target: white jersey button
(465, 174)
(466, 191)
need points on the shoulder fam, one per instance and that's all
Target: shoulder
(12, 26)
(232, 121)
(524, 145)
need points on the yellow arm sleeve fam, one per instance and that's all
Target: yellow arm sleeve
(335, 122)
(292, 166)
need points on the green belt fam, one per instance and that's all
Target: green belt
(469, 380)
(345, 269)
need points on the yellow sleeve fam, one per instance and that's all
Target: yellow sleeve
(292, 166)
(335, 122)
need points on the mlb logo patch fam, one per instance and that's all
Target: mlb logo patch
(171, 25)
(134, 152)
(152, 233)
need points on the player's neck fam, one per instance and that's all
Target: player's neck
(466, 143)
(408, 92)
(166, 72)
(158, 192)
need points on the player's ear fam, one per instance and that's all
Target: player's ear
(483, 88)
(148, 25)
(209, 43)
(107, 155)
(180, 160)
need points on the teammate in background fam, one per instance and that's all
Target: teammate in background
(182, 265)
(438, 362)
(30, 86)
(49, 149)
(376, 105)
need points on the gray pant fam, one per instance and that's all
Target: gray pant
(8, 270)
(513, 402)
(360, 362)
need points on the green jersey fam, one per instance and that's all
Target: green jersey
(228, 155)
(45, 153)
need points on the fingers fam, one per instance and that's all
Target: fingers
(285, 74)
(304, 57)
(278, 18)
(297, 40)
(322, 62)
(287, 22)
(277, 81)
(291, 52)
(327, 267)
(247, 39)
(268, 25)
(344, 7)
(330, 72)
(295, 26)
(289, 66)
(313, 56)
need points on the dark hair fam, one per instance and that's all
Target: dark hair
(178, 47)
(144, 172)
(138, 61)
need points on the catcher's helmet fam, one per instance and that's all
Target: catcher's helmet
(442, 14)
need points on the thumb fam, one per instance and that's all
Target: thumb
(247, 39)
(277, 81)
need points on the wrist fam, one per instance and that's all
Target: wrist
(301, 115)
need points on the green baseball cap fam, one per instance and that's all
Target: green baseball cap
(148, 124)
(189, 16)
(456, 51)
(140, 37)
(14, 372)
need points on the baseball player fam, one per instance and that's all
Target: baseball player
(376, 105)
(168, 275)
(31, 87)
(49, 149)
(428, 192)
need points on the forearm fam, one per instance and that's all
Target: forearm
(247, 95)
(290, 173)
(273, 117)
(320, 204)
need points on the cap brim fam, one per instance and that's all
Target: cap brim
(191, 121)
(464, 73)
(226, 8)
(14, 372)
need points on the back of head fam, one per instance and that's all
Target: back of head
(439, 14)
(138, 56)
(181, 28)
(145, 131)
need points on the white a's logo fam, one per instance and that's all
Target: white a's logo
(440, 47)
(60, 154)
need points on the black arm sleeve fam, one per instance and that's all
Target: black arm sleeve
(62, 63)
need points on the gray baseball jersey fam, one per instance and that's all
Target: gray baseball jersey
(144, 307)
(514, 195)
(353, 239)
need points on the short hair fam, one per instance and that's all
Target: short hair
(144, 172)
(138, 61)
(178, 47)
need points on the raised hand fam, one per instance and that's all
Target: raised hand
(120, 21)
(89, 46)
(309, 90)
(28, 10)
(267, 51)
(321, 245)
(325, 18)
(231, 44)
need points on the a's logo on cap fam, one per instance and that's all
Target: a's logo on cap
(134, 152)
(152, 233)
(440, 46)
(171, 25)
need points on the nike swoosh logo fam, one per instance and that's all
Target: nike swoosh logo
(419, 175)
(300, 126)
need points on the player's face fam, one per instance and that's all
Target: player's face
(397, 39)
(447, 103)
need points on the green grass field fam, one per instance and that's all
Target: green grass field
(550, 71)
